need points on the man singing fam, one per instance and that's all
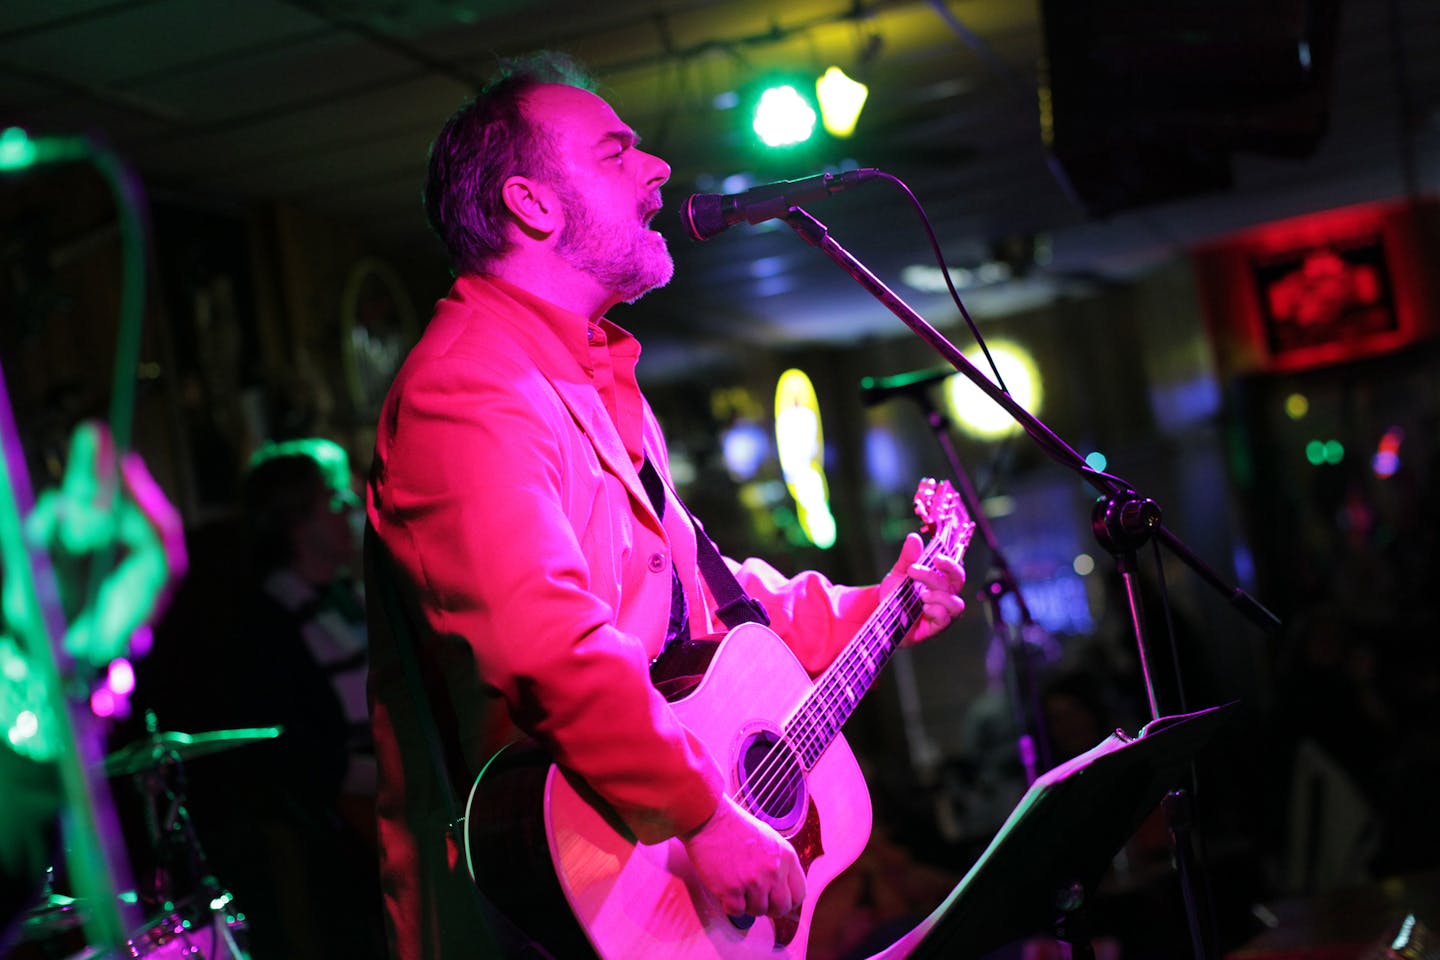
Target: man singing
(535, 563)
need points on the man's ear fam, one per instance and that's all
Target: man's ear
(535, 206)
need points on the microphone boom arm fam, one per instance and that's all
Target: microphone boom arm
(816, 234)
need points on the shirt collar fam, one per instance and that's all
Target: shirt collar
(576, 332)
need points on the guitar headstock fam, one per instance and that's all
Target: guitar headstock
(942, 513)
(936, 502)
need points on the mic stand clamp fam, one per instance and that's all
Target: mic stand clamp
(1123, 521)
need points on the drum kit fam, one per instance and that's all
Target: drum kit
(191, 916)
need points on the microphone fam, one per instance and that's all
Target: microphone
(873, 392)
(706, 214)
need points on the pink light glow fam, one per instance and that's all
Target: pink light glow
(121, 679)
(102, 702)
(141, 641)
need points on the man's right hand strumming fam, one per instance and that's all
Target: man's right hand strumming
(750, 869)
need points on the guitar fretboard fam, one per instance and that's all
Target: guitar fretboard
(817, 721)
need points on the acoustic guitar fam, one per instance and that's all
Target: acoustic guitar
(556, 860)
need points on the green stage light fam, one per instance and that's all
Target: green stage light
(783, 117)
(16, 149)
(1320, 452)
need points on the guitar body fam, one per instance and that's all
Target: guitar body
(635, 900)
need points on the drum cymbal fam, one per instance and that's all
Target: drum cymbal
(148, 753)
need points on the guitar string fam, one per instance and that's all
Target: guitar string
(952, 540)
(890, 617)
(776, 775)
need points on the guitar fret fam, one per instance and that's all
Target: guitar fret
(818, 720)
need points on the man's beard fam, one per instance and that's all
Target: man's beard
(622, 255)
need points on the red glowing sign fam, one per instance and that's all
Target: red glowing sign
(1323, 288)
(1326, 295)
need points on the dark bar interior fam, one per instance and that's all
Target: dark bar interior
(1195, 244)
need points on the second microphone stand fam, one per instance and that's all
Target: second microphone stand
(1032, 744)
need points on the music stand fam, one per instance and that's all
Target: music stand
(1044, 864)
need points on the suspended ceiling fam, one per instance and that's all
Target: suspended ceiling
(330, 105)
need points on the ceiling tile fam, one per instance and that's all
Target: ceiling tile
(228, 93)
(116, 45)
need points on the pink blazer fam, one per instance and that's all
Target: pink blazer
(529, 553)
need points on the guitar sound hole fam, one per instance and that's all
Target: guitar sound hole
(771, 781)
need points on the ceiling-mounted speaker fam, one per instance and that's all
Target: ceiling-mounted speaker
(1142, 102)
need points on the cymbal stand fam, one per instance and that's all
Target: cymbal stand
(181, 866)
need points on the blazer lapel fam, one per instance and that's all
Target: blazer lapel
(594, 421)
(541, 343)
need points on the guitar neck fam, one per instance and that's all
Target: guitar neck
(838, 691)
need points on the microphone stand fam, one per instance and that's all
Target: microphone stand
(1123, 519)
(1032, 743)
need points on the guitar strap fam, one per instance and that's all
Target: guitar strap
(735, 606)
(512, 941)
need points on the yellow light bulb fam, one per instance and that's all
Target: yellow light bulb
(841, 100)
